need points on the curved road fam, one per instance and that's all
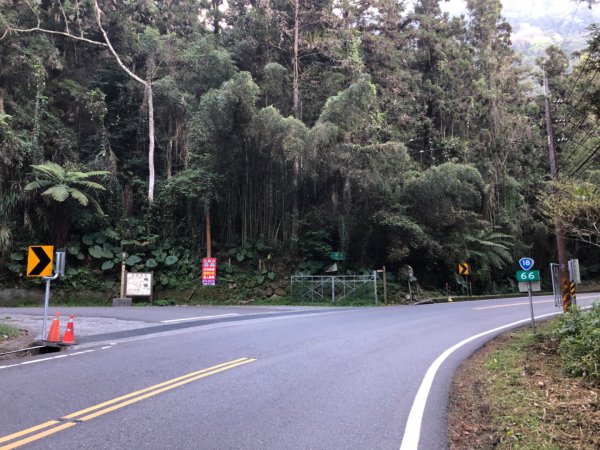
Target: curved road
(253, 378)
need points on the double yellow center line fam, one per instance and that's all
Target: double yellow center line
(70, 420)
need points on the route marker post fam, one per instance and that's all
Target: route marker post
(527, 277)
(531, 305)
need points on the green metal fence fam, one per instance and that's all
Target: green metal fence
(334, 288)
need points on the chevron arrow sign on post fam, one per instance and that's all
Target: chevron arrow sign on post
(39, 261)
(463, 268)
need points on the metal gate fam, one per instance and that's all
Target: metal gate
(333, 288)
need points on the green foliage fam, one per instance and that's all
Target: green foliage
(7, 331)
(349, 110)
(415, 163)
(580, 342)
(61, 183)
(576, 204)
(250, 252)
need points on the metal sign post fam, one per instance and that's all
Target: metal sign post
(531, 305)
(464, 269)
(526, 277)
(59, 270)
(47, 301)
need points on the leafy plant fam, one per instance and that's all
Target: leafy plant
(580, 342)
(264, 274)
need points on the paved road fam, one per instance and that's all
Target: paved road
(263, 379)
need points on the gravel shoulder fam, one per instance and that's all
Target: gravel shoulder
(30, 327)
(512, 395)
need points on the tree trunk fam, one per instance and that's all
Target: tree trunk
(208, 234)
(60, 224)
(150, 142)
(148, 88)
(296, 111)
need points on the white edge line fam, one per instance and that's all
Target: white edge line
(513, 304)
(198, 318)
(33, 361)
(412, 431)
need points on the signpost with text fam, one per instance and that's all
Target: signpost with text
(209, 271)
(529, 280)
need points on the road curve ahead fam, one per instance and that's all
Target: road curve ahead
(362, 378)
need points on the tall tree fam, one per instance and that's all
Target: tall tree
(85, 17)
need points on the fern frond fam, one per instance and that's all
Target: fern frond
(52, 169)
(80, 197)
(59, 193)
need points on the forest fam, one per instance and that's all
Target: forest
(273, 133)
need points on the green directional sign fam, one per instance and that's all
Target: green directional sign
(338, 256)
(528, 275)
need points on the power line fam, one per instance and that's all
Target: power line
(591, 155)
(577, 130)
(572, 169)
(583, 93)
(570, 25)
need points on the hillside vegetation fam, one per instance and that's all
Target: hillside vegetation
(274, 133)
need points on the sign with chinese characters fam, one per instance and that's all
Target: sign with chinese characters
(138, 285)
(209, 271)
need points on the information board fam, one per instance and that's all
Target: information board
(138, 285)
(209, 271)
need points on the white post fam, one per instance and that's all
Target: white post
(375, 284)
(123, 274)
(531, 305)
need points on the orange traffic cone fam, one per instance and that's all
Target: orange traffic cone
(54, 333)
(69, 337)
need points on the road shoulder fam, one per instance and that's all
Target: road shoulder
(511, 394)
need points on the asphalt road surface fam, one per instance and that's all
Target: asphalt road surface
(251, 378)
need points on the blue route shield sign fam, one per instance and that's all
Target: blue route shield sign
(526, 263)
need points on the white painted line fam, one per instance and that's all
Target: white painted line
(44, 359)
(186, 319)
(80, 353)
(514, 304)
(582, 297)
(33, 361)
(412, 432)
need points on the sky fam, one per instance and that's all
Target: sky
(542, 22)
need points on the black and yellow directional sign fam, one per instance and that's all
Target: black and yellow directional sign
(463, 268)
(39, 261)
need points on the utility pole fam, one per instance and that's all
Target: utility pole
(563, 272)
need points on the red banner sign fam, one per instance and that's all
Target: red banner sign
(209, 271)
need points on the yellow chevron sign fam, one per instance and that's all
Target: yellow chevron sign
(39, 261)
(463, 268)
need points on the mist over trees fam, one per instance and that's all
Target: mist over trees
(293, 128)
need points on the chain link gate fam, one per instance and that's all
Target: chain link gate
(333, 288)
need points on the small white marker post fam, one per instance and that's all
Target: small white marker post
(531, 305)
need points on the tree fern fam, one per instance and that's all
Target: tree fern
(60, 185)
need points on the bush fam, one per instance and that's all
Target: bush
(580, 343)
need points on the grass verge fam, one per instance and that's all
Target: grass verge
(512, 394)
(7, 331)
